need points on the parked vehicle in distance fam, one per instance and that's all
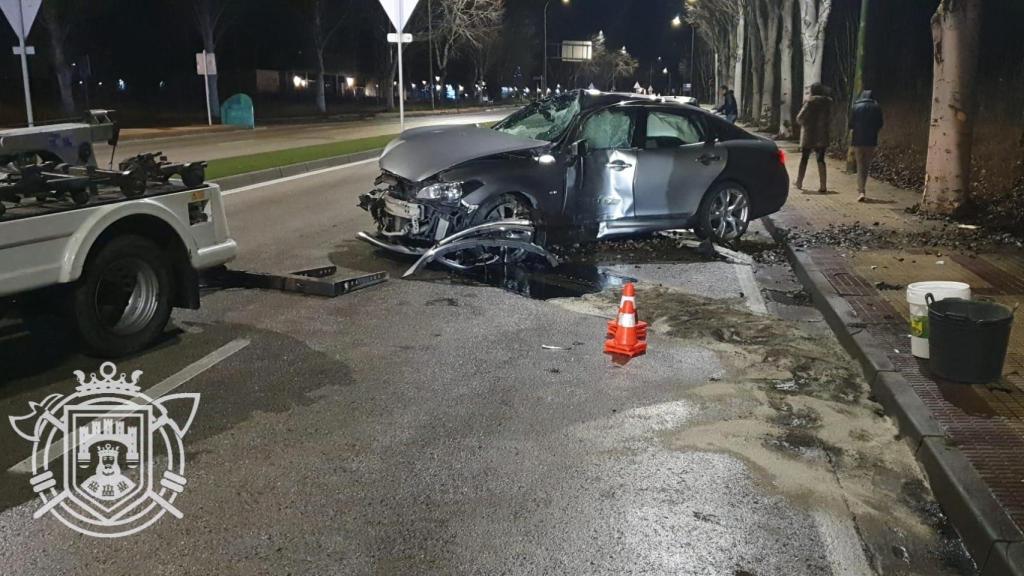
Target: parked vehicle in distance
(116, 266)
(582, 164)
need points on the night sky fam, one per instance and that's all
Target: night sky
(150, 42)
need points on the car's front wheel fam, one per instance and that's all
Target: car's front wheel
(724, 213)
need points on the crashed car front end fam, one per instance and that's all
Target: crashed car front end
(410, 216)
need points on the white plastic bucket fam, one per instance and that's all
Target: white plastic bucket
(919, 309)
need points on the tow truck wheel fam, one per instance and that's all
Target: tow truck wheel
(122, 302)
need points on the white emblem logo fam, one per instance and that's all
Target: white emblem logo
(107, 460)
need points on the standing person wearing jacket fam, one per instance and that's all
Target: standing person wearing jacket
(865, 121)
(814, 120)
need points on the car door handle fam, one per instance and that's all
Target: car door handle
(619, 165)
(707, 158)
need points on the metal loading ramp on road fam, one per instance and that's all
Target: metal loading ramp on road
(324, 281)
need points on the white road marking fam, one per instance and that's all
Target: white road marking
(296, 177)
(751, 291)
(168, 384)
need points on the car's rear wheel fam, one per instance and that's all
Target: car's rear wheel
(724, 213)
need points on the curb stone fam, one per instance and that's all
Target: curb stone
(993, 540)
(250, 178)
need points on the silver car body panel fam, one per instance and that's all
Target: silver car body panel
(419, 153)
(670, 182)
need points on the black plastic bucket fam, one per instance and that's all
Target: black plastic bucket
(968, 338)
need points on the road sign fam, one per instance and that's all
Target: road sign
(21, 14)
(393, 38)
(206, 65)
(577, 50)
(399, 11)
(26, 9)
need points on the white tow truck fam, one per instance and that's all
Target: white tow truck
(115, 266)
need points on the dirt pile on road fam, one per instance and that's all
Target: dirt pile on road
(795, 407)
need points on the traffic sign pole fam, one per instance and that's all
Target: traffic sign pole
(401, 77)
(206, 84)
(24, 62)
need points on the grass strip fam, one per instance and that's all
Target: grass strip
(231, 166)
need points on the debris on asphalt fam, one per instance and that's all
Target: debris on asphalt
(882, 285)
(550, 347)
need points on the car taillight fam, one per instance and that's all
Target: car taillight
(782, 156)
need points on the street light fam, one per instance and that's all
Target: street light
(544, 78)
(677, 21)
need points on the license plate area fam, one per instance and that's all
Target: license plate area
(402, 208)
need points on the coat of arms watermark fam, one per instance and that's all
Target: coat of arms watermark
(108, 460)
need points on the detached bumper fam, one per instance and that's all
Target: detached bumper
(386, 244)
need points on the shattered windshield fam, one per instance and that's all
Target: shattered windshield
(545, 119)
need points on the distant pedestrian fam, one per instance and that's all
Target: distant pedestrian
(865, 121)
(814, 119)
(729, 108)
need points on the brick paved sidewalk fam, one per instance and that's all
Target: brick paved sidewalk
(986, 422)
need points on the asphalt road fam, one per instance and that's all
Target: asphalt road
(420, 426)
(268, 138)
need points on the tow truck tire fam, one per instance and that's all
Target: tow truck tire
(122, 302)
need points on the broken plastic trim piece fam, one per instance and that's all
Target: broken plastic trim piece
(397, 248)
(513, 234)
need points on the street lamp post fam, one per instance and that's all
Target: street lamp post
(544, 77)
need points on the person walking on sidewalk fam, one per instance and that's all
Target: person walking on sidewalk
(729, 109)
(814, 119)
(865, 121)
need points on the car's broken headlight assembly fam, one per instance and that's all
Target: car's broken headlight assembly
(441, 191)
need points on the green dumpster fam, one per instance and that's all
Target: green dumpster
(238, 111)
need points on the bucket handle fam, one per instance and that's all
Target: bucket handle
(930, 300)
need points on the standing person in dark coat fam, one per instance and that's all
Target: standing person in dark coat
(729, 108)
(814, 137)
(865, 121)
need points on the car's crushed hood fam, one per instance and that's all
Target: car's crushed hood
(419, 153)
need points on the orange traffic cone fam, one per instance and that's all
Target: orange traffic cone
(625, 345)
(628, 295)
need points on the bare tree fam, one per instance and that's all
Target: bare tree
(786, 72)
(323, 19)
(768, 18)
(210, 23)
(721, 24)
(463, 25)
(955, 38)
(813, 19)
(756, 63)
(58, 25)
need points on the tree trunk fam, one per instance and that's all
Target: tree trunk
(955, 37)
(858, 75)
(321, 96)
(58, 35)
(756, 72)
(786, 72)
(813, 19)
(769, 37)
(738, 72)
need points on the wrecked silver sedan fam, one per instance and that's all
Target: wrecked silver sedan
(577, 166)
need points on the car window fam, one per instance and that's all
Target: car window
(666, 130)
(609, 129)
(546, 119)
